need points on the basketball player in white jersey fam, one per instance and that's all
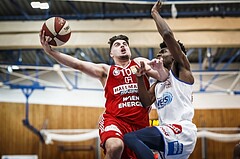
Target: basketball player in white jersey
(176, 136)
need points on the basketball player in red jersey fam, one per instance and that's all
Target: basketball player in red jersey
(124, 111)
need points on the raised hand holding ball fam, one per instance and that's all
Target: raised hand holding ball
(58, 30)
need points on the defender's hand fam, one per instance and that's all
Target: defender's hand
(156, 64)
(141, 70)
(157, 6)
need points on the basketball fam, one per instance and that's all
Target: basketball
(58, 30)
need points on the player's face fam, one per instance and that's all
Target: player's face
(164, 52)
(166, 55)
(120, 49)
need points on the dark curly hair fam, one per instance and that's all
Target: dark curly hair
(118, 37)
(163, 45)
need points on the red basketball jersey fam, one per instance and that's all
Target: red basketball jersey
(122, 99)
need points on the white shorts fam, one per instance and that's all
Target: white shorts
(179, 140)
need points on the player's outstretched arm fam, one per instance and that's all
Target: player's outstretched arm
(167, 34)
(95, 70)
(173, 46)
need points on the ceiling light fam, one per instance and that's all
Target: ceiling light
(39, 5)
(44, 5)
(35, 4)
(15, 67)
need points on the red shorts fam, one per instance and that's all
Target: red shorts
(110, 126)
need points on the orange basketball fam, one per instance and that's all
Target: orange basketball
(58, 30)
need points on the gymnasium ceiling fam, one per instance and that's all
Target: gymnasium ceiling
(115, 9)
(21, 10)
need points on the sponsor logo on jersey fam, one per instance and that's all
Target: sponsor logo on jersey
(167, 83)
(126, 88)
(164, 100)
(131, 98)
(116, 72)
(177, 129)
(130, 101)
(133, 69)
(130, 104)
(125, 72)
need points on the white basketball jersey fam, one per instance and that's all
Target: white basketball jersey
(175, 113)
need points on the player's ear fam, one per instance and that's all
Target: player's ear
(111, 55)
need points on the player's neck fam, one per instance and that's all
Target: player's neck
(123, 63)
